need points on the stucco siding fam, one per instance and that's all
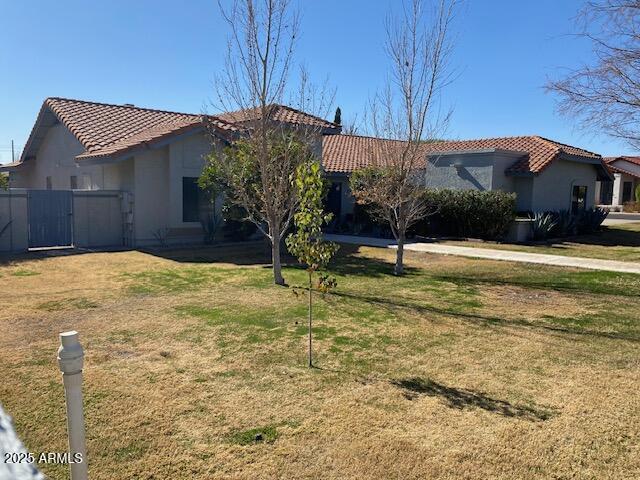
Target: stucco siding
(120, 176)
(186, 159)
(523, 188)
(151, 197)
(552, 189)
(460, 172)
(56, 159)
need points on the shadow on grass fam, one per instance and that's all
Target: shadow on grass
(460, 399)
(348, 263)
(585, 282)
(476, 318)
(610, 237)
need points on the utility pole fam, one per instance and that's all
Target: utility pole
(13, 159)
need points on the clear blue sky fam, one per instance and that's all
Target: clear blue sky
(159, 54)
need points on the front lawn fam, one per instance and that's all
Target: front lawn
(615, 242)
(463, 368)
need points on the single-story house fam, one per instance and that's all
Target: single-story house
(544, 174)
(155, 157)
(621, 188)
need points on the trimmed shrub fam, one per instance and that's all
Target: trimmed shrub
(469, 213)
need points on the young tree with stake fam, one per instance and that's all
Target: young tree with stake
(406, 114)
(306, 243)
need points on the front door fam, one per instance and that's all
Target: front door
(50, 218)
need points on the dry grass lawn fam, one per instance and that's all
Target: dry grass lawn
(464, 368)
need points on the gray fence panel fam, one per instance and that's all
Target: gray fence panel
(50, 218)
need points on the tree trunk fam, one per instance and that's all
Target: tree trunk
(399, 268)
(310, 317)
(275, 259)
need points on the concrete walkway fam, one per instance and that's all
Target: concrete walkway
(493, 254)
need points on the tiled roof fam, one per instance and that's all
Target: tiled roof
(634, 160)
(620, 168)
(106, 129)
(280, 113)
(346, 153)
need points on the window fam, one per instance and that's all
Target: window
(73, 182)
(49, 185)
(627, 187)
(578, 199)
(190, 199)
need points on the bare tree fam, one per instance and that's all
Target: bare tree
(407, 115)
(606, 95)
(252, 86)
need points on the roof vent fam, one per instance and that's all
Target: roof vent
(128, 105)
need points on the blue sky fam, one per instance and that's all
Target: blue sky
(160, 54)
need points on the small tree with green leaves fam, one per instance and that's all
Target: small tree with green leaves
(4, 181)
(306, 243)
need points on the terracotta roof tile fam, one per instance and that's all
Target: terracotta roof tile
(346, 153)
(105, 129)
(280, 113)
(634, 160)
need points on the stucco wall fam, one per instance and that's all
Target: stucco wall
(151, 197)
(56, 159)
(475, 172)
(119, 176)
(186, 159)
(523, 187)
(13, 208)
(552, 188)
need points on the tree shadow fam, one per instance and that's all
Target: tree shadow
(476, 318)
(460, 399)
(560, 283)
(240, 253)
(347, 262)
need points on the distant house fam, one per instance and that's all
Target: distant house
(154, 158)
(544, 174)
(620, 189)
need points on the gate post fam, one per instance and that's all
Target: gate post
(70, 360)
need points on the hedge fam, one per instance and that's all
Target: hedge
(469, 213)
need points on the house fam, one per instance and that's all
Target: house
(544, 174)
(621, 188)
(153, 158)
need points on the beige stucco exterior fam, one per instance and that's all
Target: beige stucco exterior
(56, 159)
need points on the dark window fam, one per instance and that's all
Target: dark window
(73, 182)
(49, 185)
(578, 199)
(627, 187)
(190, 199)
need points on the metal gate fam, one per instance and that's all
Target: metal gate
(50, 218)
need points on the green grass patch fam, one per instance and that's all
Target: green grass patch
(24, 273)
(266, 434)
(67, 304)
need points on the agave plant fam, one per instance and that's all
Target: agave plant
(542, 225)
(591, 219)
(567, 223)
